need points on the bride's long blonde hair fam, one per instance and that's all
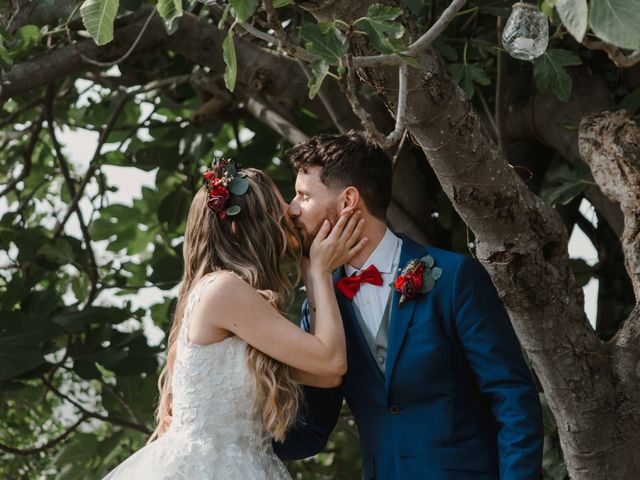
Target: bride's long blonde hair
(259, 247)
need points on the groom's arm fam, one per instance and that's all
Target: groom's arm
(314, 424)
(494, 353)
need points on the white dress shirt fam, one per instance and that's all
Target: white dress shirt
(371, 300)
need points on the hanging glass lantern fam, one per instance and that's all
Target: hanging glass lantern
(526, 33)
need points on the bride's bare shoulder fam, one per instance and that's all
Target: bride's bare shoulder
(226, 287)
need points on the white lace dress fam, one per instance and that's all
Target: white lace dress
(215, 432)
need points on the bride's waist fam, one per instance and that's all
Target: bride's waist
(243, 434)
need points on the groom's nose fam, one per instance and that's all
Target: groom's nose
(294, 208)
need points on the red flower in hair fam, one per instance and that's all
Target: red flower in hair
(218, 189)
(223, 180)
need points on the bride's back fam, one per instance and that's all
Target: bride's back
(213, 390)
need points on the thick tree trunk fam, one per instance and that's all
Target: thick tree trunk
(523, 244)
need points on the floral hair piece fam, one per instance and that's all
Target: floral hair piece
(222, 181)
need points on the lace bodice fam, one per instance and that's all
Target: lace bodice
(215, 433)
(213, 389)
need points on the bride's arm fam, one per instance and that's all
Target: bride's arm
(308, 321)
(231, 304)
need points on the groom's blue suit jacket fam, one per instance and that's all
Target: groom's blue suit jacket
(457, 401)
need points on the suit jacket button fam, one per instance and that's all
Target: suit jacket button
(394, 409)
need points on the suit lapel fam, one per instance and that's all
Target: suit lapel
(401, 315)
(352, 329)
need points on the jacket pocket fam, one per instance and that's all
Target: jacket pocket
(464, 458)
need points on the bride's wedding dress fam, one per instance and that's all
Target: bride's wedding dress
(215, 432)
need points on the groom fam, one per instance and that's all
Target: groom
(436, 380)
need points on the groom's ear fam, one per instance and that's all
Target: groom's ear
(349, 199)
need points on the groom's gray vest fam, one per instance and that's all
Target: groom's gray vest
(377, 345)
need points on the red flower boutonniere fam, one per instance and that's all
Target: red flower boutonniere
(418, 276)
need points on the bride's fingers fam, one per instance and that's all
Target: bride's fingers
(351, 225)
(323, 232)
(355, 233)
(338, 228)
(358, 247)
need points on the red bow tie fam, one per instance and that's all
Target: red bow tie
(349, 286)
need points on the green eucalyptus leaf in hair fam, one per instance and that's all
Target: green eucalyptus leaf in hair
(239, 186)
(233, 210)
(230, 169)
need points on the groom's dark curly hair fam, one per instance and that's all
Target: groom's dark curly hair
(349, 159)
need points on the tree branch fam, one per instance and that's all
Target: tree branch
(274, 120)
(419, 45)
(93, 164)
(36, 128)
(51, 443)
(92, 268)
(617, 57)
(609, 142)
(89, 414)
(127, 54)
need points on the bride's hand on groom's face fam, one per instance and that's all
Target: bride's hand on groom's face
(333, 247)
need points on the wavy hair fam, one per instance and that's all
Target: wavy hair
(263, 249)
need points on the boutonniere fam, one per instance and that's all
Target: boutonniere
(418, 276)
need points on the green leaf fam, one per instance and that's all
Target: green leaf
(229, 55)
(239, 186)
(6, 60)
(436, 273)
(233, 210)
(80, 450)
(549, 71)
(174, 207)
(281, 3)
(98, 17)
(243, 8)
(574, 15)
(409, 60)
(415, 6)
(16, 359)
(223, 17)
(58, 251)
(379, 25)
(565, 183)
(616, 21)
(582, 271)
(630, 102)
(30, 35)
(466, 74)
(76, 320)
(446, 50)
(167, 269)
(318, 70)
(170, 11)
(325, 40)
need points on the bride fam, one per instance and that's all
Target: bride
(235, 363)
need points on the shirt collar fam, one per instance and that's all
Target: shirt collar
(382, 257)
